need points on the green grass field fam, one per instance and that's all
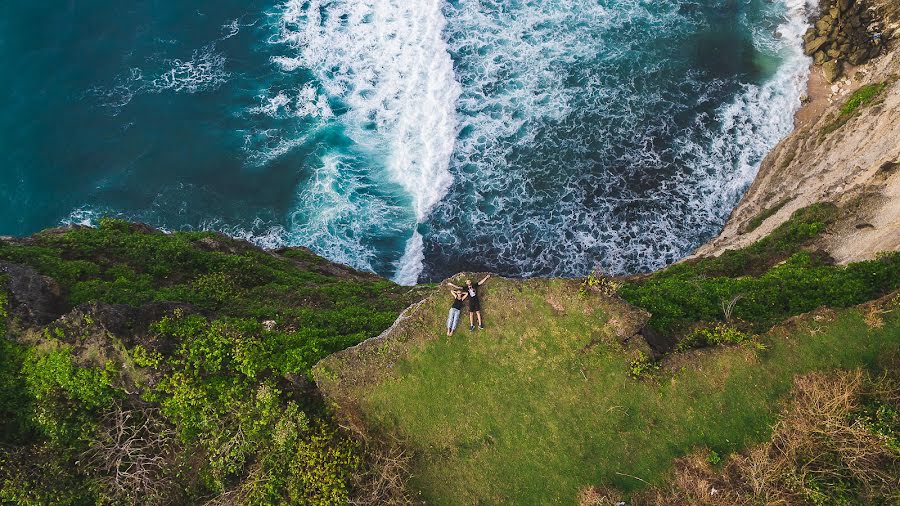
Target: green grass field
(540, 403)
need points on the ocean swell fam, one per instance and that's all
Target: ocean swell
(385, 64)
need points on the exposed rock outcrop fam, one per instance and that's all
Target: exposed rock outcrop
(848, 31)
(34, 299)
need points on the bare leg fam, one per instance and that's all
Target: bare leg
(479, 318)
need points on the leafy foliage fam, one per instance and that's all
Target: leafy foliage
(597, 281)
(758, 220)
(774, 279)
(720, 333)
(643, 365)
(232, 391)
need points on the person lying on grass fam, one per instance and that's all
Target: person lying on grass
(453, 317)
(474, 303)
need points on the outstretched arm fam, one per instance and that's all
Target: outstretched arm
(454, 286)
(483, 280)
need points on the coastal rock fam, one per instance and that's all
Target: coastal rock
(815, 45)
(831, 70)
(35, 299)
(820, 57)
(858, 56)
(824, 24)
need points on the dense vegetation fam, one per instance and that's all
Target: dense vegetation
(756, 287)
(210, 401)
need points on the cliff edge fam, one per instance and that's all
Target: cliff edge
(845, 150)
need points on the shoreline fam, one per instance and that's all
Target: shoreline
(820, 94)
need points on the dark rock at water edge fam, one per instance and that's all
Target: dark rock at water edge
(847, 31)
(34, 299)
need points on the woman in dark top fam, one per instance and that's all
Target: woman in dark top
(453, 317)
(471, 290)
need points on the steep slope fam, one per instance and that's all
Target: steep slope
(846, 150)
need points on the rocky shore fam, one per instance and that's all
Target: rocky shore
(847, 32)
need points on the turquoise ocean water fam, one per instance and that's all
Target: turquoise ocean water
(411, 138)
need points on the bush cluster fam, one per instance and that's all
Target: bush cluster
(718, 334)
(773, 279)
(223, 411)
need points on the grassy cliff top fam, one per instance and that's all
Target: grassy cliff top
(541, 404)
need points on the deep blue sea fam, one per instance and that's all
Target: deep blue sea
(413, 138)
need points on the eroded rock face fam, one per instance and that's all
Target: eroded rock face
(34, 299)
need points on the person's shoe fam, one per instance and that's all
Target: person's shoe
(472, 328)
(481, 326)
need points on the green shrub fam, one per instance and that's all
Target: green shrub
(67, 397)
(597, 281)
(643, 366)
(758, 220)
(774, 279)
(713, 336)
(861, 97)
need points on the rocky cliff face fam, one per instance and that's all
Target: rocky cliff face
(845, 150)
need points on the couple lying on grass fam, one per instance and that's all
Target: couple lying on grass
(461, 293)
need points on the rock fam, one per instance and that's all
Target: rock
(809, 35)
(35, 299)
(834, 13)
(844, 5)
(824, 24)
(815, 45)
(859, 56)
(820, 57)
(855, 22)
(831, 70)
(845, 48)
(833, 53)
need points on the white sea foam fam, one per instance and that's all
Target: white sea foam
(387, 62)
(758, 118)
(533, 164)
(204, 71)
(338, 212)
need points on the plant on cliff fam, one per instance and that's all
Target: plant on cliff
(774, 278)
(860, 98)
(202, 403)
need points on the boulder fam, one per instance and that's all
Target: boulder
(815, 45)
(833, 53)
(34, 299)
(844, 5)
(824, 24)
(859, 56)
(809, 35)
(820, 57)
(831, 70)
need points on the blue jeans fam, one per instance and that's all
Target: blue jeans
(452, 319)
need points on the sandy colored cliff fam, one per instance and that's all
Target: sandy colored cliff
(850, 159)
